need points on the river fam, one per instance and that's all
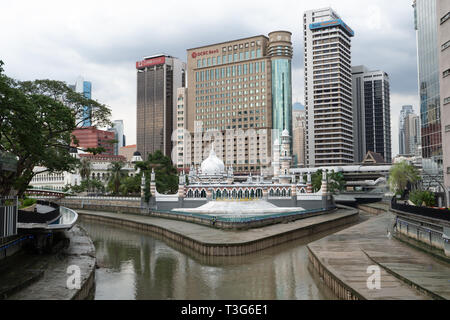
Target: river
(139, 265)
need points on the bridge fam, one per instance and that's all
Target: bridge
(46, 193)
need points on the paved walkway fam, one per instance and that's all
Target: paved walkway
(348, 254)
(209, 235)
(52, 285)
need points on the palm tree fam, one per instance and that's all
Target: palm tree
(85, 168)
(116, 173)
(401, 175)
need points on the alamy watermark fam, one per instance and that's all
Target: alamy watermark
(74, 279)
(374, 280)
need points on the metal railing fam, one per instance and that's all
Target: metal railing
(442, 214)
(8, 216)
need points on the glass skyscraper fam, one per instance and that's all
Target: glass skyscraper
(428, 73)
(85, 88)
(280, 51)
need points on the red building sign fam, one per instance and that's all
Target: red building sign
(150, 62)
(204, 53)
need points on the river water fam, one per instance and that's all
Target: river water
(140, 265)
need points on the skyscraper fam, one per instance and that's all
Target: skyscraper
(443, 21)
(371, 113)
(238, 91)
(299, 136)
(402, 145)
(428, 73)
(328, 88)
(412, 134)
(85, 88)
(158, 78)
(117, 128)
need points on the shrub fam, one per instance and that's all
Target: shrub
(419, 197)
(28, 202)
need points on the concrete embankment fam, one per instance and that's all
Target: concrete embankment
(51, 283)
(345, 259)
(213, 242)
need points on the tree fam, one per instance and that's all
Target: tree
(85, 168)
(37, 119)
(165, 172)
(419, 197)
(116, 175)
(130, 185)
(335, 181)
(402, 176)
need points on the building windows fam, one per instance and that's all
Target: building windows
(447, 128)
(446, 100)
(445, 73)
(445, 18)
(445, 45)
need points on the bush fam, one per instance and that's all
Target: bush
(419, 197)
(28, 202)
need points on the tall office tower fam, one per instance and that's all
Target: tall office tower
(443, 20)
(85, 88)
(158, 78)
(402, 146)
(412, 134)
(280, 51)
(117, 128)
(426, 26)
(231, 100)
(299, 135)
(181, 153)
(328, 88)
(371, 113)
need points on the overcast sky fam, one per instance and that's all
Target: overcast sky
(102, 40)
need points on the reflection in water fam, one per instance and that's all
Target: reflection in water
(139, 265)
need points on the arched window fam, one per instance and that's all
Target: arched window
(247, 195)
(225, 194)
(218, 194)
(234, 194)
(197, 194)
(190, 194)
(252, 194)
(203, 194)
(277, 193)
(283, 193)
(271, 193)
(240, 194)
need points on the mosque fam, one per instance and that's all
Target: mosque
(213, 189)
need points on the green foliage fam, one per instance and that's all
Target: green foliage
(37, 119)
(116, 175)
(130, 185)
(89, 185)
(165, 172)
(28, 202)
(85, 168)
(419, 198)
(401, 175)
(335, 181)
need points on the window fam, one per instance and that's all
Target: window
(447, 100)
(445, 73)
(445, 18)
(445, 45)
(199, 63)
(447, 128)
(258, 53)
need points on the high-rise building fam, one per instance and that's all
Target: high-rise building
(328, 88)
(181, 153)
(91, 137)
(85, 88)
(158, 78)
(299, 136)
(426, 26)
(117, 128)
(412, 134)
(402, 146)
(443, 21)
(371, 113)
(238, 91)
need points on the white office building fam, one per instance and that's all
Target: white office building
(328, 88)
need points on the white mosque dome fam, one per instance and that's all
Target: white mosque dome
(212, 165)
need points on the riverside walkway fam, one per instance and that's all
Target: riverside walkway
(406, 273)
(211, 241)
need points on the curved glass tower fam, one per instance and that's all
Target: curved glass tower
(280, 52)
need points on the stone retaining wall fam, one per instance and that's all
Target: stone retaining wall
(223, 249)
(338, 287)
